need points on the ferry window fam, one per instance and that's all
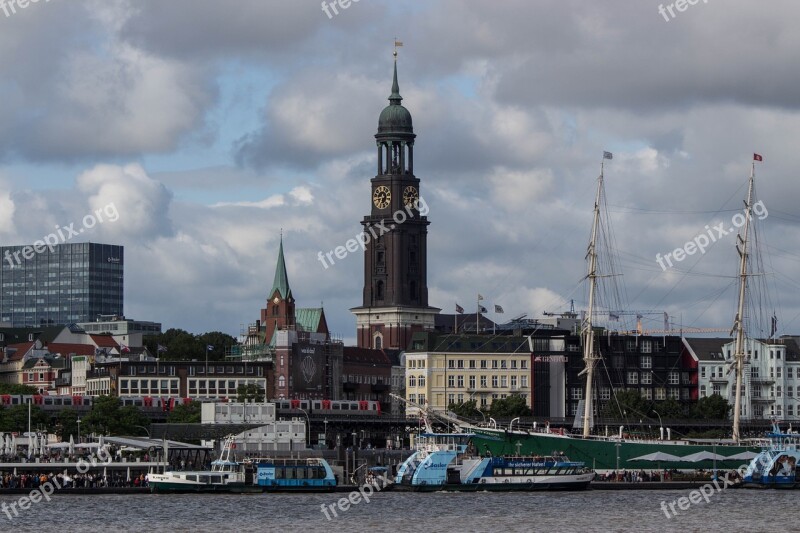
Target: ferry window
(301, 472)
(216, 479)
(290, 472)
(203, 479)
(191, 477)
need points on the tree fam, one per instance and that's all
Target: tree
(219, 341)
(626, 403)
(713, 407)
(250, 393)
(511, 406)
(670, 409)
(15, 418)
(108, 417)
(15, 388)
(67, 424)
(185, 413)
(183, 346)
(466, 409)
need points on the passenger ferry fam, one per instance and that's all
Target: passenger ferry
(226, 475)
(447, 461)
(294, 475)
(778, 464)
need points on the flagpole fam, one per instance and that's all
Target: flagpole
(206, 361)
(478, 316)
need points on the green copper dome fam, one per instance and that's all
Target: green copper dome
(395, 118)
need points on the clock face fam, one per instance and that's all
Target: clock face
(277, 300)
(410, 197)
(381, 197)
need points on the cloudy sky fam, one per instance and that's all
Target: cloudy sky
(212, 125)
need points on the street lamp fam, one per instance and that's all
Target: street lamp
(144, 428)
(661, 424)
(511, 424)
(79, 429)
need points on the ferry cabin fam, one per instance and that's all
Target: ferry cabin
(295, 474)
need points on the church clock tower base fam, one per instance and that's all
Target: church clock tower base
(391, 327)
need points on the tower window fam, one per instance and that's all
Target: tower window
(379, 290)
(412, 290)
(274, 310)
(379, 258)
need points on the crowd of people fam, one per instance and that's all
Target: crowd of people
(89, 480)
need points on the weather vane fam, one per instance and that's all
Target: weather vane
(397, 44)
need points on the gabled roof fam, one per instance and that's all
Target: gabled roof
(53, 362)
(20, 350)
(706, 349)
(310, 318)
(281, 281)
(104, 341)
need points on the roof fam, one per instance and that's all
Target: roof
(53, 362)
(281, 281)
(354, 354)
(395, 118)
(309, 318)
(466, 322)
(710, 349)
(19, 335)
(427, 341)
(104, 341)
(65, 348)
(21, 349)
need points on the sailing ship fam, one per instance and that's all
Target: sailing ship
(621, 451)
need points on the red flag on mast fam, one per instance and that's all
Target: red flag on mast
(757, 157)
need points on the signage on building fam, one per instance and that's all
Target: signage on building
(114, 260)
(550, 359)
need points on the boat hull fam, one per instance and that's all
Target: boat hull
(497, 487)
(177, 488)
(602, 454)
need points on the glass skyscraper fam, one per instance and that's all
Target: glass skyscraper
(70, 283)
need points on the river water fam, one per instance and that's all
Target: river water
(728, 510)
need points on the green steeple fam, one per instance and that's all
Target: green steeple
(395, 97)
(281, 282)
(395, 119)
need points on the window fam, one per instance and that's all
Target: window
(754, 372)
(503, 363)
(451, 381)
(647, 378)
(647, 394)
(460, 383)
(778, 372)
(451, 364)
(504, 381)
(789, 372)
(422, 399)
(674, 378)
(494, 382)
(633, 378)
(647, 346)
(647, 361)
(703, 372)
(675, 394)
(460, 363)
(702, 391)
(412, 398)
(618, 361)
(779, 391)
(513, 382)
(472, 364)
(630, 345)
(661, 393)
(494, 364)
(483, 364)
(523, 364)
(483, 382)
(716, 389)
(789, 391)
(412, 381)
(605, 393)
(472, 382)
(790, 410)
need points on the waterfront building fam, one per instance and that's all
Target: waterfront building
(366, 375)
(771, 378)
(185, 379)
(444, 369)
(73, 282)
(395, 294)
(653, 366)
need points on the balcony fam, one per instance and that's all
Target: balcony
(762, 399)
(380, 387)
(719, 379)
(764, 380)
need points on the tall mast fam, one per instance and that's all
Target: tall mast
(588, 331)
(742, 247)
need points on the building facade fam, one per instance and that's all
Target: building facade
(771, 378)
(73, 282)
(395, 295)
(444, 369)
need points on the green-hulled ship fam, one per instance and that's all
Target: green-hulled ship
(604, 453)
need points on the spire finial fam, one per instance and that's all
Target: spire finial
(395, 97)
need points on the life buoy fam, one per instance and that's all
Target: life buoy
(507, 481)
(529, 481)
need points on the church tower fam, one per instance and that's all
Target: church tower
(279, 312)
(395, 298)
